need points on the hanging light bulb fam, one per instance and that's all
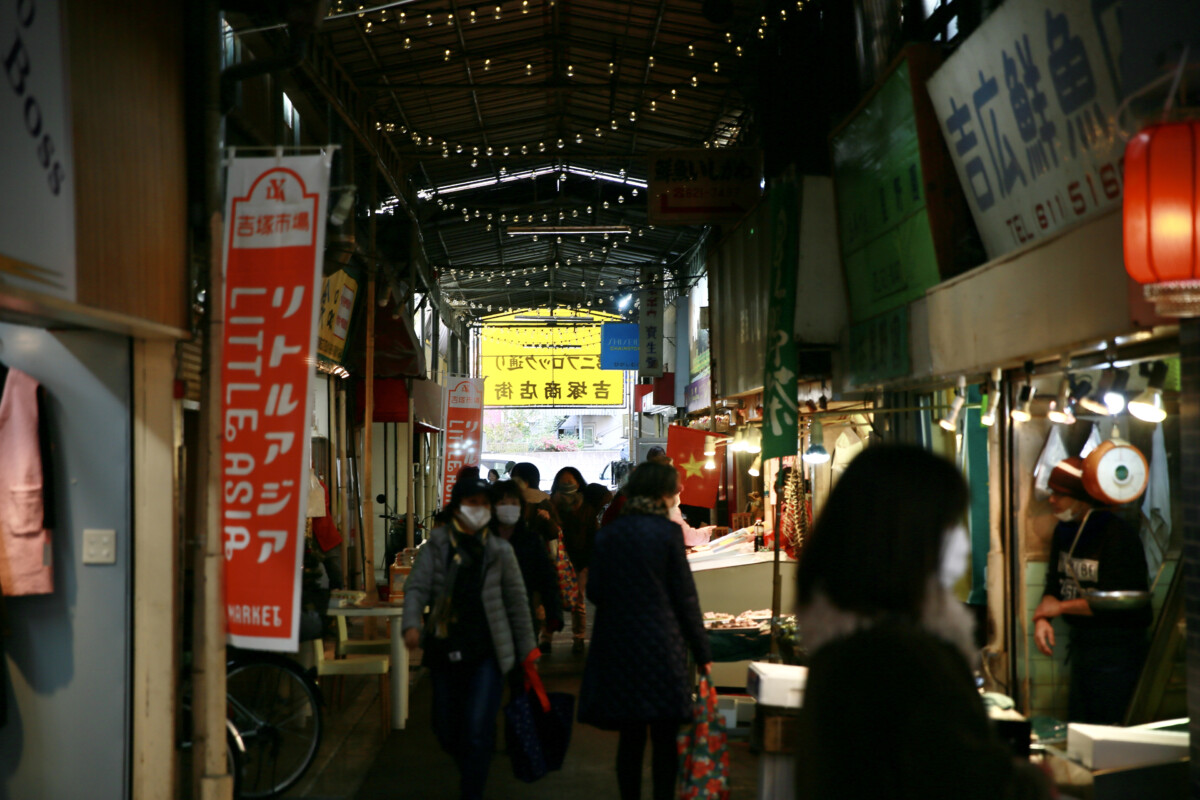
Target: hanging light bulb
(407, 43)
(695, 81)
(1148, 405)
(529, 69)
(816, 452)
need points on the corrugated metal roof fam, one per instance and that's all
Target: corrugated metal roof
(474, 91)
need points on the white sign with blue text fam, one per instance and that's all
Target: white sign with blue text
(619, 345)
(1027, 105)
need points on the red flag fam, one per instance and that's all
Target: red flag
(686, 449)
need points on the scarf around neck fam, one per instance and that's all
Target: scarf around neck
(646, 505)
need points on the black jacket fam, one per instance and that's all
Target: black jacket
(891, 711)
(537, 569)
(647, 618)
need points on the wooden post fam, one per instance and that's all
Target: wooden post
(368, 498)
(409, 523)
(343, 480)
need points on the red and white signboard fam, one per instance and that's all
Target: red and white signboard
(464, 429)
(273, 252)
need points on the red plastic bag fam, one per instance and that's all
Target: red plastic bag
(703, 751)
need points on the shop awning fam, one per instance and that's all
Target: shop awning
(398, 351)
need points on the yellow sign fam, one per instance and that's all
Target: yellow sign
(337, 303)
(530, 363)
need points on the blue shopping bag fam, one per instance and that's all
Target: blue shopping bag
(537, 727)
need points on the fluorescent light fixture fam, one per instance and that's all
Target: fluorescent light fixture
(816, 452)
(568, 230)
(988, 418)
(524, 175)
(950, 421)
(1021, 412)
(1148, 406)
(755, 467)
(624, 302)
(551, 320)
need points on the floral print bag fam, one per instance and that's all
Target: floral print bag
(568, 583)
(703, 756)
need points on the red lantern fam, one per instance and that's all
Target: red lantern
(1162, 216)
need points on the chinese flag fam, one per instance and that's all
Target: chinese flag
(686, 449)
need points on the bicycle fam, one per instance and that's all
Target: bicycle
(275, 706)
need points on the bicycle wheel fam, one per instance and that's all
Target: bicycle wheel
(275, 708)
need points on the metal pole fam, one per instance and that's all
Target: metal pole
(366, 495)
(343, 480)
(409, 523)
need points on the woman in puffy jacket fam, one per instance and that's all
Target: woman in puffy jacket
(478, 627)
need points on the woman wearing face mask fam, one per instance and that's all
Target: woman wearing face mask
(1107, 647)
(647, 621)
(541, 579)
(579, 523)
(890, 647)
(478, 627)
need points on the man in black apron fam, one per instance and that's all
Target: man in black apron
(1093, 549)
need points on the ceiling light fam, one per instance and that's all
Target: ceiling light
(1095, 401)
(624, 302)
(988, 418)
(1148, 406)
(570, 230)
(1114, 398)
(1060, 407)
(816, 452)
(755, 467)
(950, 421)
(1021, 412)
(710, 445)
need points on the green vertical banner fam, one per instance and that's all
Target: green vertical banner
(780, 417)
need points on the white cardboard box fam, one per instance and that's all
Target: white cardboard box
(780, 685)
(1111, 747)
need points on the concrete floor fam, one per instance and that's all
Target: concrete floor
(358, 762)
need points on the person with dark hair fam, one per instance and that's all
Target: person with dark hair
(889, 645)
(1093, 549)
(648, 618)
(493, 476)
(598, 496)
(579, 521)
(541, 579)
(542, 519)
(477, 630)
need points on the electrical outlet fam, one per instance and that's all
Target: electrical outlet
(99, 547)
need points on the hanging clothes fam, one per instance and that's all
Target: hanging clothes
(25, 554)
(1156, 506)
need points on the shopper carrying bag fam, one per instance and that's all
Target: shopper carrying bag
(537, 727)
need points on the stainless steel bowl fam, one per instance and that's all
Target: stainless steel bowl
(1117, 601)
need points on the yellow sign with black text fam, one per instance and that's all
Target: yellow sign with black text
(529, 363)
(337, 304)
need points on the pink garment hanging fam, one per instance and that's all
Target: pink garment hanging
(25, 562)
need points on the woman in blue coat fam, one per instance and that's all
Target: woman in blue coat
(647, 619)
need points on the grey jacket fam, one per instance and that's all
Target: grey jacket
(504, 599)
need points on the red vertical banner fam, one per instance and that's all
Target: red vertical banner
(275, 210)
(464, 429)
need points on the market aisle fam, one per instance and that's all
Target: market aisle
(411, 765)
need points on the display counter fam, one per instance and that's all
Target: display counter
(735, 582)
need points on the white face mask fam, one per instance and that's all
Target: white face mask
(955, 549)
(475, 517)
(1066, 516)
(508, 514)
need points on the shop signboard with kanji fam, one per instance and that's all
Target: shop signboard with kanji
(704, 185)
(781, 362)
(887, 242)
(338, 292)
(1028, 109)
(879, 348)
(464, 429)
(532, 364)
(273, 251)
(650, 324)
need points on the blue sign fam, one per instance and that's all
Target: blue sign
(619, 345)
